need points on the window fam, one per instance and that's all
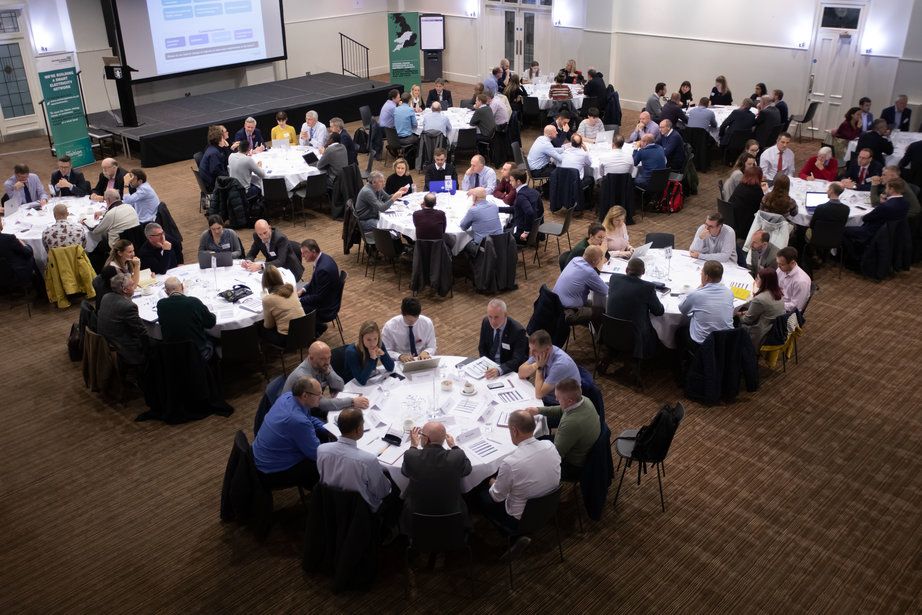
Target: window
(15, 99)
(525, 3)
(9, 21)
(840, 17)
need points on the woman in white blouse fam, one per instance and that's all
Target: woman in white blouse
(616, 237)
(416, 98)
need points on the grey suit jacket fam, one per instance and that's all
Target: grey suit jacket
(435, 475)
(334, 158)
(119, 323)
(330, 381)
(760, 316)
(766, 259)
(654, 107)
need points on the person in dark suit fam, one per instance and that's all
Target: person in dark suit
(68, 182)
(778, 96)
(483, 119)
(502, 340)
(272, 244)
(430, 223)
(769, 119)
(525, 208)
(859, 172)
(112, 176)
(630, 298)
(595, 87)
(911, 163)
(158, 253)
(876, 140)
(440, 168)
(440, 94)
(435, 474)
(323, 289)
(252, 135)
(673, 111)
(833, 211)
(21, 261)
(338, 127)
(739, 119)
(900, 108)
(118, 321)
(185, 318)
(673, 146)
(894, 207)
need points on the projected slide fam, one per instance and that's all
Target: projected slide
(188, 35)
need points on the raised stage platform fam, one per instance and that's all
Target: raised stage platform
(173, 130)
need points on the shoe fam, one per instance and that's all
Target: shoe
(517, 548)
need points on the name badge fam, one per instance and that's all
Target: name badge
(271, 254)
(505, 346)
(225, 246)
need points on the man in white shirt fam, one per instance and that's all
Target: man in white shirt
(576, 157)
(531, 471)
(794, 282)
(543, 154)
(479, 175)
(617, 160)
(313, 133)
(778, 157)
(436, 121)
(342, 464)
(144, 200)
(714, 240)
(409, 336)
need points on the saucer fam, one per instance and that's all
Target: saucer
(471, 394)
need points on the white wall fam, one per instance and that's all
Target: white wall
(48, 22)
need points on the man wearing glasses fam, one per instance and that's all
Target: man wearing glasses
(157, 253)
(285, 448)
(714, 241)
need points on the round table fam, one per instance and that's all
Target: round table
(682, 276)
(540, 91)
(206, 284)
(901, 140)
(28, 224)
(400, 215)
(287, 162)
(459, 118)
(858, 201)
(472, 421)
(597, 150)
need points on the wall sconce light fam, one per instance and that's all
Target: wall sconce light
(557, 23)
(802, 44)
(868, 51)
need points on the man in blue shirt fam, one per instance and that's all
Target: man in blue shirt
(490, 82)
(548, 364)
(543, 155)
(285, 449)
(435, 120)
(650, 157)
(144, 200)
(342, 464)
(709, 307)
(479, 175)
(580, 276)
(386, 117)
(405, 122)
(482, 219)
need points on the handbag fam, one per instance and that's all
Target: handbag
(235, 294)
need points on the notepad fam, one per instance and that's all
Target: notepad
(740, 291)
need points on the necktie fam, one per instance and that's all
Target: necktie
(494, 350)
(110, 185)
(26, 193)
(476, 180)
(780, 163)
(312, 133)
(861, 175)
(412, 343)
(250, 139)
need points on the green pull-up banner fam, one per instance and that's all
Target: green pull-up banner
(66, 118)
(403, 44)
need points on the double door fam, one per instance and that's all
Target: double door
(516, 33)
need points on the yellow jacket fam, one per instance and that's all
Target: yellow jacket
(68, 273)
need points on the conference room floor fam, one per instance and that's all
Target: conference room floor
(803, 496)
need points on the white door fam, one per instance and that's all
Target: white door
(19, 88)
(516, 34)
(835, 55)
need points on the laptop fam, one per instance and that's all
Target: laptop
(281, 143)
(310, 158)
(814, 200)
(436, 186)
(222, 259)
(420, 365)
(605, 136)
(642, 250)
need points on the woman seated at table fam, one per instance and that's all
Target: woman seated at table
(363, 356)
(214, 161)
(516, 93)
(760, 90)
(752, 147)
(746, 199)
(745, 161)
(416, 99)
(570, 74)
(758, 316)
(685, 95)
(283, 130)
(720, 93)
(280, 306)
(779, 200)
(850, 128)
(822, 166)
(399, 178)
(219, 239)
(122, 258)
(616, 238)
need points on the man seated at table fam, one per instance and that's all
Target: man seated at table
(185, 318)
(876, 140)
(701, 116)
(313, 132)
(590, 127)
(242, 167)
(504, 190)
(577, 423)
(117, 218)
(483, 119)
(481, 219)
(564, 129)
(631, 298)
(436, 120)
(439, 94)
(317, 366)
(441, 168)
(781, 106)
(338, 127)
(778, 158)
(649, 157)
(898, 116)
(252, 135)
(272, 244)
(333, 159)
(859, 172)
(794, 281)
(879, 183)
(67, 181)
(322, 291)
(386, 115)
(543, 156)
(714, 240)
(118, 321)
(371, 201)
(435, 474)
(63, 233)
(673, 111)
(526, 206)
(654, 106)
(576, 157)
(478, 175)
(833, 212)
(739, 120)
(547, 363)
(429, 222)
(645, 126)
(405, 121)
(617, 160)
(285, 448)
(709, 307)
(213, 162)
(410, 335)
(157, 253)
(143, 198)
(21, 260)
(502, 340)
(500, 107)
(673, 146)
(893, 207)
(578, 278)
(768, 119)
(530, 471)
(24, 187)
(111, 177)
(762, 252)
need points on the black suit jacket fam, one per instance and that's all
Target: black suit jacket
(276, 252)
(81, 186)
(889, 114)
(768, 119)
(913, 156)
(323, 289)
(739, 119)
(434, 96)
(100, 188)
(853, 171)
(185, 318)
(524, 210)
(435, 175)
(832, 212)
(631, 298)
(484, 120)
(783, 111)
(19, 256)
(351, 151)
(514, 344)
(435, 481)
(257, 136)
(157, 260)
(876, 143)
(118, 321)
(596, 87)
(674, 113)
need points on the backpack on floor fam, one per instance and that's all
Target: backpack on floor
(673, 199)
(360, 138)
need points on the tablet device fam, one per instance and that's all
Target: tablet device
(310, 158)
(222, 259)
(420, 365)
(814, 200)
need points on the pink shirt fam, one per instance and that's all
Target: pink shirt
(618, 240)
(796, 288)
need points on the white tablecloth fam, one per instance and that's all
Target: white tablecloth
(900, 140)
(600, 149)
(201, 283)
(28, 224)
(721, 112)
(682, 276)
(540, 90)
(859, 203)
(420, 398)
(400, 216)
(458, 116)
(288, 163)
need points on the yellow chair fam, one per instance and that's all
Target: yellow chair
(785, 351)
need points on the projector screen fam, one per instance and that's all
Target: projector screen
(165, 38)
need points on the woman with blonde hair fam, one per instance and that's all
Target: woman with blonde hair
(416, 98)
(280, 306)
(363, 356)
(399, 178)
(616, 238)
(122, 258)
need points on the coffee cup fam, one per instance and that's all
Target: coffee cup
(446, 385)
(469, 388)
(408, 425)
(147, 290)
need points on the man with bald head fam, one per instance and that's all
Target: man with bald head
(479, 175)
(543, 156)
(481, 219)
(63, 233)
(112, 177)
(502, 340)
(435, 474)
(645, 126)
(650, 157)
(273, 246)
(185, 318)
(317, 366)
(342, 464)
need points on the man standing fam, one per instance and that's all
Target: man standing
(144, 200)
(435, 474)
(502, 340)
(714, 240)
(317, 366)
(118, 321)
(482, 219)
(547, 363)
(478, 175)
(631, 298)
(313, 132)
(543, 155)
(323, 289)
(111, 177)
(709, 307)
(794, 281)
(68, 182)
(898, 116)
(578, 427)
(185, 318)
(62, 233)
(409, 336)
(252, 135)
(673, 146)
(157, 253)
(578, 278)
(778, 159)
(24, 187)
(650, 157)
(343, 465)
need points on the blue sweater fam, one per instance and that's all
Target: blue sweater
(362, 374)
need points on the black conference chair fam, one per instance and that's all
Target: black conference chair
(619, 337)
(826, 235)
(531, 110)
(438, 534)
(803, 119)
(302, 332)
(660, 240)
(275, 193)
(538, 513)
(557, 229)
(654, 188)
(242, 346)
(384, 244)
(466, 143)
(728, 213)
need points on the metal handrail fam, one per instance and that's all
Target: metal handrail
(356, 53)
